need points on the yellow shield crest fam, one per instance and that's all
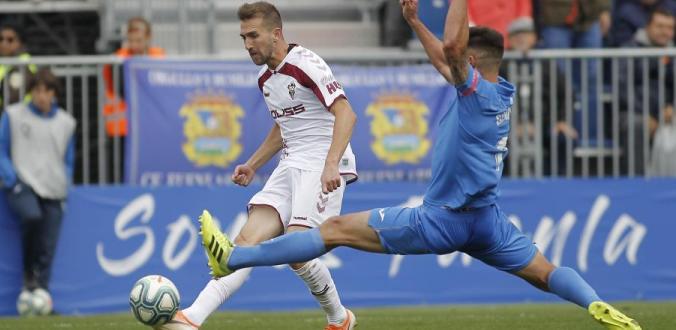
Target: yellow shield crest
(399, 128)
(212, 130)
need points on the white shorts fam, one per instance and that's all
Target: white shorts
(297, 196)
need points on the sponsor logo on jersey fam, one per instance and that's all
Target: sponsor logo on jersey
(333, 87)
(287, 112)
(502, 117)
(212, 130)
(399, 128)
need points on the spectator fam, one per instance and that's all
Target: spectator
(522, 38)
(578, 24)
(663, 161)
(633, 15)
(498, 14)
(659, 32)
(36, 168)
(11, 45)
(138, 43)
(139, 36)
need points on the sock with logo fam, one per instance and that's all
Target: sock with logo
(214, 294)
(318, 279)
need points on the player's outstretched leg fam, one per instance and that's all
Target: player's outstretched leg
(569, 285)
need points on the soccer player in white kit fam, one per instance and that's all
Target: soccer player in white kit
(313, 125)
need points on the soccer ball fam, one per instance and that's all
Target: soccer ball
(154, 300)
(32, 303)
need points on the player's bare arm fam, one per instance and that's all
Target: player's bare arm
(342, 131)
(244, 173)
(456, 36)
(432, 45)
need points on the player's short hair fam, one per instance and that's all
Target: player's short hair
(659, 11)
(44, 77)
(488, 43)
(137, 23)
(266, 10)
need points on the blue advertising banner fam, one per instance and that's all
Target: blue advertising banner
(616, 233)
(192, 122)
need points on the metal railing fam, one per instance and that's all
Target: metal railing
(553, 89)
(82, 94)
(198, 26)
(616, 100)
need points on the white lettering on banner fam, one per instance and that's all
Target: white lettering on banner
(176, 230)
(630, 243)
(151, 179)
(515, 221)
(446, 260)
(143, 205)
(174, 78)
(548, 232)
(600, 206)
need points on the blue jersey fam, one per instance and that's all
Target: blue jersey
(468, 153)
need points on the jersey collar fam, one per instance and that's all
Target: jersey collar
(281, 64)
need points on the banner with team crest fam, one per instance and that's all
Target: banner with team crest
(192, 122)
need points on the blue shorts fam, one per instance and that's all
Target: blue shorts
(484, 233)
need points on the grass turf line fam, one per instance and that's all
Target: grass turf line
(651, 315)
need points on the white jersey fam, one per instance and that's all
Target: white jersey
(299, 93)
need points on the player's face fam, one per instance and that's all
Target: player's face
(258, 40)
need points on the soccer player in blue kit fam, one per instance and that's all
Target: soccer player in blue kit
(460, 211)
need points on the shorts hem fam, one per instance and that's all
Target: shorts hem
(525, 264)
(279, 217)
(301, 225)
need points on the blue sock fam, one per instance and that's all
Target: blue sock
(567, 284)
(295, 247)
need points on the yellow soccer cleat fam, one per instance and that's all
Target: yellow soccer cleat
(611, 318)
(217, 246)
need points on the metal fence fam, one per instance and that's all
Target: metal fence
(578, 113)
(592, 113)
(82, 94)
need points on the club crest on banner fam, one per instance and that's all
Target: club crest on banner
(399, 128)
(212, 130)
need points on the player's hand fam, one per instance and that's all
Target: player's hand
(243, 175)
(409, 8)
(330, 178)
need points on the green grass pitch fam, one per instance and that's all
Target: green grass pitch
(651, 315)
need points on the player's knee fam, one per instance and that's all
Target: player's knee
(335, 231)
(243, 240)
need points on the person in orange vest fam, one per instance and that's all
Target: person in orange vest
(139, 36)
(499, 14)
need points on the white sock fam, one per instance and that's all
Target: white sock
(318, 279)
(214, 294)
